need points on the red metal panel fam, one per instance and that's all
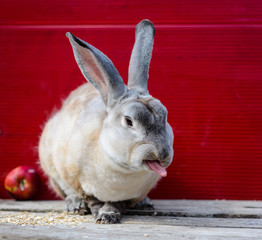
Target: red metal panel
(208, 76)
(129, 12)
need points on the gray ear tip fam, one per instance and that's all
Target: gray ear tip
(145, 24)
(69, 35)
(75, 40)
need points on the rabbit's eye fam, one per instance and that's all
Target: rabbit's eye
(128, 121)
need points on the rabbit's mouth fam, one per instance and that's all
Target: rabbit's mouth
(156, 166)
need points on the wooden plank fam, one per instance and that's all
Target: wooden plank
(127, 231)
(129, 12)
(48, 218)
(32, 206)
(40, 223)
(252, 223)
(175, 208)
(205, 208)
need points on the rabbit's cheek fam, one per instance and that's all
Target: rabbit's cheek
(116, 150)
(140, 153)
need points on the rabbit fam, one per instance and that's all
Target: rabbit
(109, 144)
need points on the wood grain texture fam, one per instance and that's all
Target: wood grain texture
(206, 68)
(128, 232)
(47, 222)
(169, 208)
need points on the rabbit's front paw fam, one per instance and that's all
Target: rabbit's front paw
(77, 205)
(108, 218)
(108, 214)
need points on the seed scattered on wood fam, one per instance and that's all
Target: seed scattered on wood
(45, 219)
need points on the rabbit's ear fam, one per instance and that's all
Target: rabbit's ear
(141, 56)
(98, 69)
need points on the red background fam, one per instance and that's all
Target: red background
(206, 68)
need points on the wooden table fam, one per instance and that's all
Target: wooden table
(172, 219)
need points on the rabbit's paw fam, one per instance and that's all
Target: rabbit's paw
(77, 205)
(145, 204)
(108, 214)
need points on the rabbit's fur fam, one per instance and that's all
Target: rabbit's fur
(95, 147)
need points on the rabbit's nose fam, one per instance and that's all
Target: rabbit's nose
(164, 154)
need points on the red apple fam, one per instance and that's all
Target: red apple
(22, 182)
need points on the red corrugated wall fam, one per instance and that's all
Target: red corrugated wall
(206, 68)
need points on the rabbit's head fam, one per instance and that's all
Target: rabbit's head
(135, 133)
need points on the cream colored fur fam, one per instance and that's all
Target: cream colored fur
(71, 152)
(99, 143)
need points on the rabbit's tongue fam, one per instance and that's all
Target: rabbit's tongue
(155, 166)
